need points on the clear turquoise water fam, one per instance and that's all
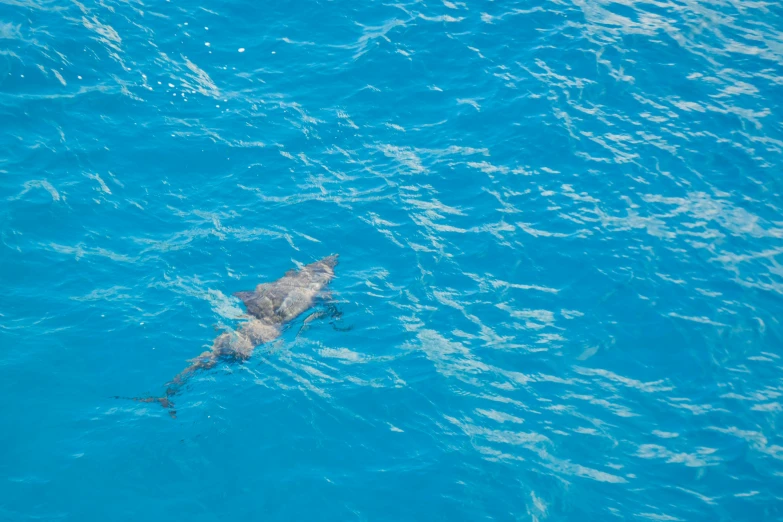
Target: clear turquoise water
(560, 232)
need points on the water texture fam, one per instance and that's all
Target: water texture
(560, 236)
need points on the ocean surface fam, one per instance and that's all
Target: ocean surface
(560, 288)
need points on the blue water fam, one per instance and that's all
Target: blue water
(560, 230)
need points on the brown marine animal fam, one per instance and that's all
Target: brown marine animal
(270, 306)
